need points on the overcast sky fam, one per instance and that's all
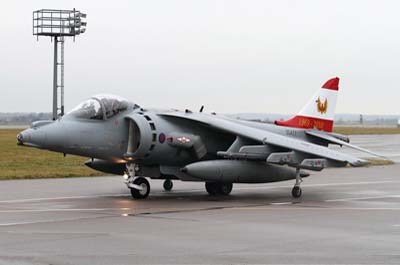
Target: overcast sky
(231, 56)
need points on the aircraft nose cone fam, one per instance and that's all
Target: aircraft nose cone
(30, 137)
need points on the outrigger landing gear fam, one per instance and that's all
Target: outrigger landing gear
(168, 184)
(296, 191)
(217, 188)
(139, 186)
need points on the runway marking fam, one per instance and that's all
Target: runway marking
(281, 203)
(363, 198)
(322, 185)
(88, 196)
(315, 208)
(50, 221)
(352, 183)
(66, 198)
(63, 210)
(51, 233)
(29, 223)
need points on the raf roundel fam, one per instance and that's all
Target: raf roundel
(161, 138)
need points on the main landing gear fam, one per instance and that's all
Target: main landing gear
(218, 188)
(296, 191)
(168, 184)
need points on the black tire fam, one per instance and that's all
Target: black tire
(296, 192)
(225, 188)
(141, 194)
(168, 185)
(212, 188)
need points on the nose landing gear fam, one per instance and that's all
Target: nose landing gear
(139, 186)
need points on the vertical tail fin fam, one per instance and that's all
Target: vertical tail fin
(319, 111)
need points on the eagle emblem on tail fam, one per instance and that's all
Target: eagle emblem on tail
(322, 107)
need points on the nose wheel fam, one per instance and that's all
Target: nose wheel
(140, 188)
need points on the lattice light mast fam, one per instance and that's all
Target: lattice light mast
(58, 24)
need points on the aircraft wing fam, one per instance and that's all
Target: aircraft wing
(267, 138)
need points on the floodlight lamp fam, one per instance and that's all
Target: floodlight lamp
(58, 24)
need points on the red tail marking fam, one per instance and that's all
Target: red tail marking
(332, 84)
(307, 123)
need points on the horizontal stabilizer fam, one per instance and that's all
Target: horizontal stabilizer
(335, 140)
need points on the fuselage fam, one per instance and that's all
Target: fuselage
(108, 139)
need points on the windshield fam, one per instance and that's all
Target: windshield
(89, 109)
(101, 107)
(112, 104)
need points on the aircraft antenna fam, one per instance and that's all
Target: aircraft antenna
(202, 108)
(58, 24)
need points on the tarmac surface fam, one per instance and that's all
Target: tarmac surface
(347, 215)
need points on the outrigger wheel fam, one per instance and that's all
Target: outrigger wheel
(143, 189)
(296, 192)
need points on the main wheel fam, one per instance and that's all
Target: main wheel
(225, 188)
(212, 188)
(296, 192)
(145, 188)
(168, 184)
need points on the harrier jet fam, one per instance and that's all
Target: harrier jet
(120, 137)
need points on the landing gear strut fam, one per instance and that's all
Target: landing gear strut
(296, 191)
(168, 184)
(217, 188)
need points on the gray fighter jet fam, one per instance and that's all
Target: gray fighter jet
(123, 138)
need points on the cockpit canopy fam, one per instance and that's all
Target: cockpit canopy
(101, 107)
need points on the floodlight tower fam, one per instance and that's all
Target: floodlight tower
(58, 24)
